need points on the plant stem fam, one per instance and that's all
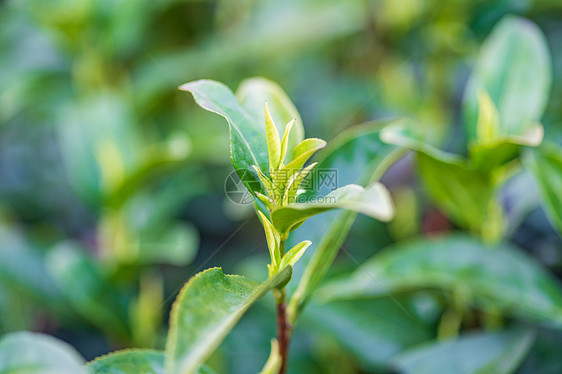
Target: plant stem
(283, 335)
(283, 327)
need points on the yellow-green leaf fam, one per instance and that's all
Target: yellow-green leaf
(273, 142)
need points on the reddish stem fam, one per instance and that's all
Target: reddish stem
(283, 336)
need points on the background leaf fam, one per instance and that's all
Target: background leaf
(88, 290)
(546, 164)
(498, 353)
(31, 353)
(514, 69)
(358, 155)
(463, 194)
(373, 330)
(501, 278)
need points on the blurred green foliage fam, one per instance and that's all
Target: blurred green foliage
(112, 183)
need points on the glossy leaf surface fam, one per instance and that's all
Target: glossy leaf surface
(247, 134)
(207, 308)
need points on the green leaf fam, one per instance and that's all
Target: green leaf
(247, 136)
(87, 290)
(477, 353)
(133, 361)
(99, 144)
(358, 155)
(207, 308)
(373, 201)
(23, 270)
(546, 164)
(254, 92)
(274, 361)
(31, 353)
(514, 69)
(175, 244)
(502, 277)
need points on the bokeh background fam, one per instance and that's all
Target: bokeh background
(112, 180)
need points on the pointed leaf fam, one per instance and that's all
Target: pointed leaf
(254, 92)
(207, 308)
(30, 353)
(294, 254)
(274, 361)
(272, 239)
(247, 139)
(501, 277)
(285, 142)
(273, 142)
(265, 181)
(373, 201)
(498, 353)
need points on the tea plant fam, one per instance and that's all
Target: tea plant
(485, 280)
(272, 167)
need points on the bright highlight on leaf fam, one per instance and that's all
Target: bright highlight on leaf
(205, 311)
(487, 128)
(373, 201)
